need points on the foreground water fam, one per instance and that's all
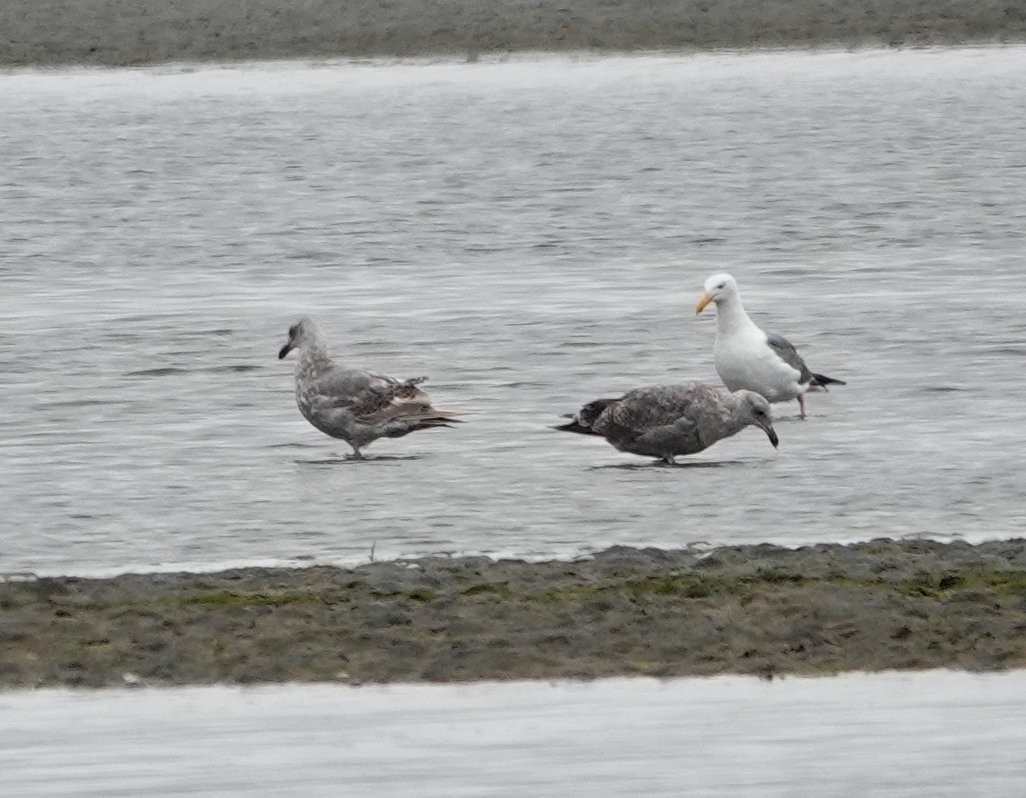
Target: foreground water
(931, 734)
(531, 235)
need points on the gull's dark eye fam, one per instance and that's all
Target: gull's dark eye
(721, 286)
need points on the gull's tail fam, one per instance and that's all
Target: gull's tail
(398, 427)
(439, 421)
(822, 381)
(575, 426)
(586, 417)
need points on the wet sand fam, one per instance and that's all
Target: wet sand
(120, 32)
(759, 610)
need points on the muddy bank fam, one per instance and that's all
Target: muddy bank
(118, 32)
(751, 609)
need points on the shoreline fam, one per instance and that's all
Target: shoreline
(150, 32)
(758, 609)
(484, 59)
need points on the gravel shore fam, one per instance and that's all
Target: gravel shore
(748, 609)
(121, 32)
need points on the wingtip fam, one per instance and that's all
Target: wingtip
(573, 426)
(823, 381)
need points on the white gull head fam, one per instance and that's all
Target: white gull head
(718, 288)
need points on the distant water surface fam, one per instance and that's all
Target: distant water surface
(928, 735)
(530, 234)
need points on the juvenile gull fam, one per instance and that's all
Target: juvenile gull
(666, 420)
(356, 406)
(748, 358)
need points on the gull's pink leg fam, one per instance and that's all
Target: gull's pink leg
(801, 403)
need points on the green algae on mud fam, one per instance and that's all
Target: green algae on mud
(762, 610)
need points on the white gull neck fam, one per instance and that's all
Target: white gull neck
(731, 317)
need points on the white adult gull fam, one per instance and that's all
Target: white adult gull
(356, 406)
(664, 421)
(748, 358)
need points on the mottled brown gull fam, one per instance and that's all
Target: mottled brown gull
(668, 420)
(357, 406)
(748, 358)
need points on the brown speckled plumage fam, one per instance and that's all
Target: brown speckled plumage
(354, 405)
(668, 420)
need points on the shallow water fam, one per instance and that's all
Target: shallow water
(931, 734)
(531, 234)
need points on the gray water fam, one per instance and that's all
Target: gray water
(924, 735)
(531, 234)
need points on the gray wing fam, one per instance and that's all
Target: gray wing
(786, 351)
(666, 420)
(372, 398)
(339, 387)
(646, 408)
(659, 419)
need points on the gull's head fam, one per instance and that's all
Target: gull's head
(756, 410)
(717, 288)
(301, 333)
